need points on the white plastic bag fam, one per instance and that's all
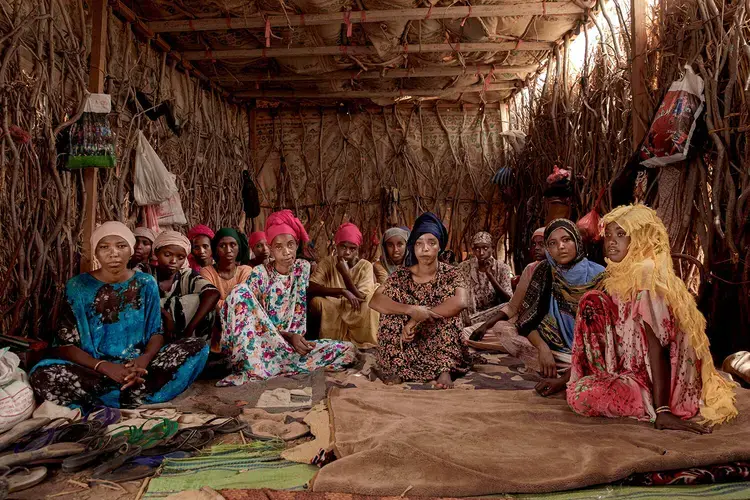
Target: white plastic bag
(170, 212)
(153, 183)
(16, 395)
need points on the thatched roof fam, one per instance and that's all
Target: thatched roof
(384, 50)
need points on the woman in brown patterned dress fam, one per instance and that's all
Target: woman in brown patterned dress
(420, 328)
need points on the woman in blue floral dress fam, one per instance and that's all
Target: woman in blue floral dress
(110, 349)
(265, 319)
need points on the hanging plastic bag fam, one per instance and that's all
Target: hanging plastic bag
(16, 395)
(668, 139)
(170, 212)
(153, 183)
(92, 142)
(589, 224)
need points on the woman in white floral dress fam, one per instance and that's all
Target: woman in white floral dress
(265, 319)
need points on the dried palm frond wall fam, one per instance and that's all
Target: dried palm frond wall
(583, 121)
(43, 79)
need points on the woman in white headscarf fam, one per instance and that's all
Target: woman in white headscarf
(110, 348)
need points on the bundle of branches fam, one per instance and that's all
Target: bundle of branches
(43, 72)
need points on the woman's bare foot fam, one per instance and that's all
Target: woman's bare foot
(444, 381)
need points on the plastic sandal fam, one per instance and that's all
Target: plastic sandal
(56, 450)
(21, 478)
(102, 446)
(128, 472)
(118, 460)
(20, 430)
(105, 414)
(79, 432)
(228, 426)
(156, 435)
(190, 439)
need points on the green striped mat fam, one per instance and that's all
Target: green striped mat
(255, 465)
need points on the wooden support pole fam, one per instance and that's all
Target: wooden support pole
(258, 21)
(97, 75)
(360, 50)
(639, 105)
(361, 94)
(483, 70)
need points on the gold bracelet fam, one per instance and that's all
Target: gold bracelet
(96, 366)
(663, 409)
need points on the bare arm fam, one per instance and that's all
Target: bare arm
(386, 305)
(504, 297)
(343, 270)
(208, 301)
(453, 305)
(75, 355)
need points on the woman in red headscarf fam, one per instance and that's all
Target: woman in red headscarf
(265, 319)
(201, 256)
(343, 285)
(258, 242)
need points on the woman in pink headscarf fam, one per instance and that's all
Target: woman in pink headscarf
(258, 243)
(201, 256)
(265, 319)
(342, 286)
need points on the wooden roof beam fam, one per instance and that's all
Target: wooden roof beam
(484, 70)
(258, 21)
(364, 94)
(362, 50)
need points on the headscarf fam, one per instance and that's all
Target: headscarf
(569, 227)
(394, 232)
(169, 237)
(243, 251)
(144, 232)
(200, 230)
(349, 233)
(556, 291)
(284, 222)
(539, 232)
(256, 238)
(648, 266)
(112, 228)
(482, 238)
(427, 223)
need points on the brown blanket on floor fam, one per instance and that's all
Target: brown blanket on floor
(470, 443)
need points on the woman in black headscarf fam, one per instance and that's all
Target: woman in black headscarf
(420, 304)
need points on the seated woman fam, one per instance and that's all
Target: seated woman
(230, 249)
(497, 331)
(393, 251)
(640, 347)
(265, 319)
(188, 300)
(259, 245)
(488, 279)
(142, 251)
(200, 255)
(109, 348)
(342, 285)
(420, 304)
(550, 303)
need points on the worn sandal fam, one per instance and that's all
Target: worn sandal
(21, 478)
(129, 452)
(104, 445)
(128, 472)
(52, 451)
(190, 439)
(20, 430)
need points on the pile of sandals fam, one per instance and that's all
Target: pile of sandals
(126, 453)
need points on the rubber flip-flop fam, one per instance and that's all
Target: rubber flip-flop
(104, 414)
(229, 425)
(190, 439)
(117, 461)
(78, 432)
(56, 450)
(103, 446)
(20, 430)
(155, 461)
(128, 472)
(21, 478)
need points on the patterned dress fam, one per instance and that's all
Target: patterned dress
(254, 315)
(610, 373)
(437, 346)
(114, 322)
(482, 295)
(183, 299)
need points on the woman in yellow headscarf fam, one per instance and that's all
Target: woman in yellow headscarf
(640, 349)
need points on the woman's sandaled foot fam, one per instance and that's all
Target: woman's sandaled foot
(444, 381)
